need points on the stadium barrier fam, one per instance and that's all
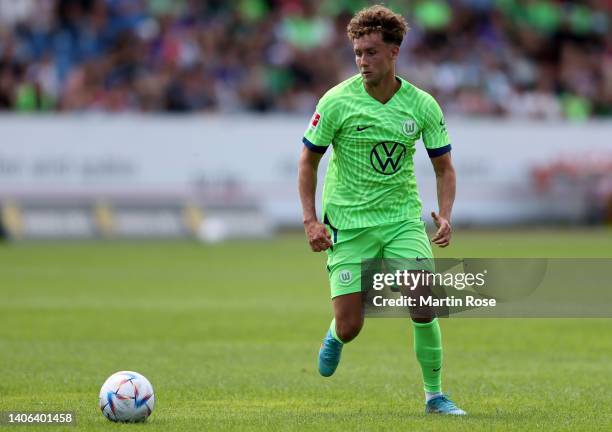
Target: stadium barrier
(69, 175)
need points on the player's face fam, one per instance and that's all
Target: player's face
(375, 58)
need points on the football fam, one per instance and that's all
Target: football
(127, 397)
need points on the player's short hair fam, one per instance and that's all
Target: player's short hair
(378, 18)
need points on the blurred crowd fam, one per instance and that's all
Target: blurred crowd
(542, 59)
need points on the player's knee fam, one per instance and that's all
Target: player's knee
(348, 330)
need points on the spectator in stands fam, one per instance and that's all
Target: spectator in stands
(541, 59)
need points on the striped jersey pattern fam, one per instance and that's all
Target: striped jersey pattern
(370, 177)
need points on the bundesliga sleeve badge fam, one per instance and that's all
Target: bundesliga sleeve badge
(316, 117)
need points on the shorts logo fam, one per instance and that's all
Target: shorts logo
(410, 128)
(386, 157)
(315, 120)
(345, 276)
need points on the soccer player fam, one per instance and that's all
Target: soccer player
(371, 207)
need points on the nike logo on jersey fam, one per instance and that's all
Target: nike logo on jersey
(362, 128)
(436, 370)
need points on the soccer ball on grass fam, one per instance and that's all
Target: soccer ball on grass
(127, 397)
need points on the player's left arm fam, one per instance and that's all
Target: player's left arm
(437, 144)
(446, 185)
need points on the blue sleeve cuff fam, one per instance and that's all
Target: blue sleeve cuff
(435, 152)
(313, 147)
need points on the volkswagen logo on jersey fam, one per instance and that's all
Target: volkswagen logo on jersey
(386, 157)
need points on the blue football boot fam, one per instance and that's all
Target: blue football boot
(443, 405)
(329, 355)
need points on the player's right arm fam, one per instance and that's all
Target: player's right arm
(318, 237)
(317, 138)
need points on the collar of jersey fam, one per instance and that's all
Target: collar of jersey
(402, 85)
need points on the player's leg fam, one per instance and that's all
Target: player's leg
(348, 316)
(346, 325)
(408, 240)
(344, 267)
(345, 282)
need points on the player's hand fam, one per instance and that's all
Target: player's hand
(318, 237)
(443, 235)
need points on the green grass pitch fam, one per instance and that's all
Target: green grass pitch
(228, 334)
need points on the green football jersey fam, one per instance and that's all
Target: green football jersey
(370, 177)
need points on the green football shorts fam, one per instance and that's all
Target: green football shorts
(397, 240)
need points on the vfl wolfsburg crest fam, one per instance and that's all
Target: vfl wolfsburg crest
(345, 276)
(386, 157)
(410, 128)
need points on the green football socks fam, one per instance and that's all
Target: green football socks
(332, 330)
(428, 349)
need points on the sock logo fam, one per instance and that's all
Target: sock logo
(436, 370)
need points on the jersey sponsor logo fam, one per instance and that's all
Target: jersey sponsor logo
(346, 276)
(316, 117)
(410, 128)
(386, 157)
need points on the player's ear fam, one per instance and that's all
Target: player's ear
(394, 51)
